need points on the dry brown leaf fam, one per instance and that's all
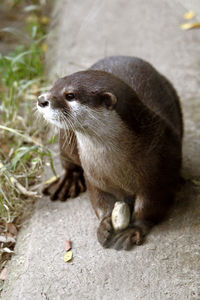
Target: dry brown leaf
(12, 229)
(68, 256)
(189, 15)
(68, 245)
(187, 26)
(3, 273)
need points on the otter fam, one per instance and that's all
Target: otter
(121, 132)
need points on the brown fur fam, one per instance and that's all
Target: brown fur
(127, 143)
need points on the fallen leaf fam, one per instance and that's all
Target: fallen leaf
(68, 256)
(45, 20)
(44, 47)
(12, 229)
(189, 15)
(68, 245)
(187, 26)
(51, 180)
(3, 273)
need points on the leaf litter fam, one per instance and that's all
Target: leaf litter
(189, 15)
(68, 254)
(192, 25)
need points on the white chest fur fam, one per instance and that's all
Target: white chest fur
(107, 160)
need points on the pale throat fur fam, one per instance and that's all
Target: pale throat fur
(105, 149)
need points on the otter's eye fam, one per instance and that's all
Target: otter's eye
(69, 97)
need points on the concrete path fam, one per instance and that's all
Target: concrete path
(167, 266)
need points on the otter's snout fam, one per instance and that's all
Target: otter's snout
(42, 100)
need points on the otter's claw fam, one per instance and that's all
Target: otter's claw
(70, 185)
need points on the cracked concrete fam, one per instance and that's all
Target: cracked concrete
(167, 266)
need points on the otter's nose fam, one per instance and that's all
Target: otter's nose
(42, 101)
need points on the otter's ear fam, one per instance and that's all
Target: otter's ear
(109, 100)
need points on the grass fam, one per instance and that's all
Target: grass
(22, 154)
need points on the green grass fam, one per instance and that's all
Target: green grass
(22, 154)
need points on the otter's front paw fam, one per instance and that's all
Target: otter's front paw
(105, 232)
(70, 185)
(128, 238)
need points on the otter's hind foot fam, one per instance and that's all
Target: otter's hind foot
(69, 185)
(125, 239)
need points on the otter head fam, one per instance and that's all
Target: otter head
(82, 100)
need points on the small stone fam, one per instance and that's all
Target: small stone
(68, 245)
(120, 216)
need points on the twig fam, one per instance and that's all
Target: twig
(19, 186)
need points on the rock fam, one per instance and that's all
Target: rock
(120, 216)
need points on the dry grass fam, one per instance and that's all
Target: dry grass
(22, 152)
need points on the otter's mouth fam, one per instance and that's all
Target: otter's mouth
(61, 119)
(48, 113)
(50, 116)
